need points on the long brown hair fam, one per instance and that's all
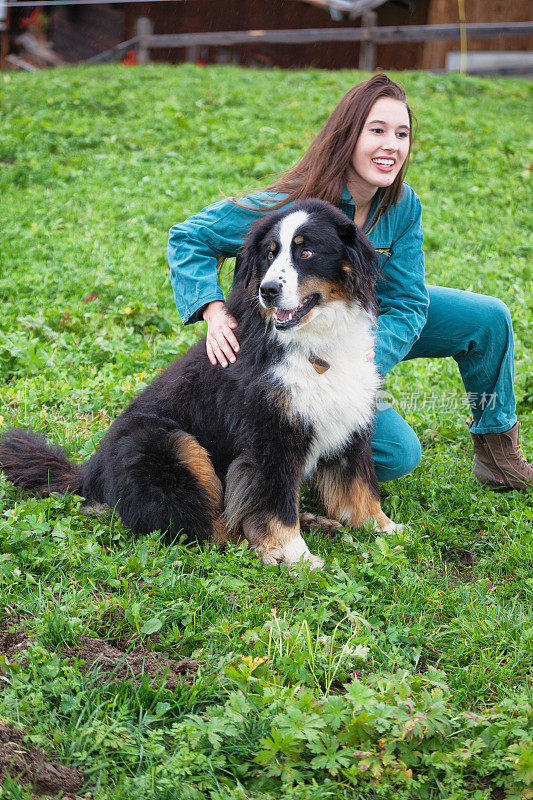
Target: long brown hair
(323, 168)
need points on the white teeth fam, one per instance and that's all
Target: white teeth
(287, 319)
(385, 162)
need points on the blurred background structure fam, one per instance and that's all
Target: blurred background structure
(35, 36)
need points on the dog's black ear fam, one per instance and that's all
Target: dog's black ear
(361, 265)
(249, 259)
(246, 266)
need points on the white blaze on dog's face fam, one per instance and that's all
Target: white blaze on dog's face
(282, 284)
(281, 272)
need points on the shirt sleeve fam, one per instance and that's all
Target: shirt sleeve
(401, 290)
(195, 244)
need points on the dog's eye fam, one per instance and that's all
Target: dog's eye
(306, 253)
(270, 255)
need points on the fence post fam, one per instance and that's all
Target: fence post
(144, 31)
(367, 53)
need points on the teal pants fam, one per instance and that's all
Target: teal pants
(477, 332)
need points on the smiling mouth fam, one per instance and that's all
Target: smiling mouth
(285, 318)
(384, 163)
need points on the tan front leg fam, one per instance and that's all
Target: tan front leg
(245, 512)
(352, 503)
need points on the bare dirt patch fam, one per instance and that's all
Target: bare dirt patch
(14, 640)
(29, 766)
(116, 665)
(110, 662)
(12, 643)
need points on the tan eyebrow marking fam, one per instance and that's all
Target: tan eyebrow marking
(298, 239)
(272, 244)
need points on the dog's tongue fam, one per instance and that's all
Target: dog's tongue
(282, 315)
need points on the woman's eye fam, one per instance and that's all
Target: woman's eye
(376, 130)
(306, 253)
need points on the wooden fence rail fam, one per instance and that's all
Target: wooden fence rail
(379, 35)
(369, 35)
(117, 51)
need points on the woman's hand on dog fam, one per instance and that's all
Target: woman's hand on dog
(221, 343)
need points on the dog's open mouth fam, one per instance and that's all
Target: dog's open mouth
(285, 318)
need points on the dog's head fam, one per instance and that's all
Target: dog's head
(299, 260)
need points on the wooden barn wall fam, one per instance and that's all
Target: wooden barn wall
(4, 40)
(79, 32)
(193, 16)
(446, 11)
(404, 55)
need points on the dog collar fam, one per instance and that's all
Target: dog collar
(319, 364)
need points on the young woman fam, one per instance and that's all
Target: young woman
(357, 162)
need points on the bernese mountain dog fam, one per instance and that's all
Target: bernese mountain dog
(219, 453)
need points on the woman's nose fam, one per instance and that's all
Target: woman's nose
(391, 142)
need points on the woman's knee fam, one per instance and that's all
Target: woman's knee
(396, 449)
(493, 314)
(402, 458)
(494, 337)
(456, 310)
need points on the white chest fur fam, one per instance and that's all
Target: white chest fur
(341, 400)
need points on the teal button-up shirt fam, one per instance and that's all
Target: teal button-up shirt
(220, 229)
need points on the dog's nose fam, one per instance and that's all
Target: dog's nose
(270, 291)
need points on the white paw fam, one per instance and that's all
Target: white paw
(295, 552)
(312, 561)
(270, 558)
(392, 527)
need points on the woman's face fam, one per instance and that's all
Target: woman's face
(383, 144)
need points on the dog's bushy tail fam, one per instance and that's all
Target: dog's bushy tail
(29, 462)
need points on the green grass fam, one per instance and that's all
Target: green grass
(405, 669)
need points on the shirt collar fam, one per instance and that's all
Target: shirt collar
(346, 197)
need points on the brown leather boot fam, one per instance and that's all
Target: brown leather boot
(499, 462)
